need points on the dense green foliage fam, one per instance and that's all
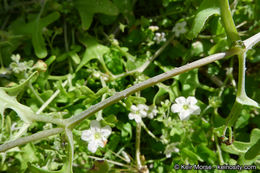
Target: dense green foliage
(77, 53)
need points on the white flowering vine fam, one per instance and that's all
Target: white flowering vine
(152, 111)
(18, 66)
(185, 107)
(159, 37)
(171, 149)
(96, 136)
(138, 112)
(180, 28)
(142, 111)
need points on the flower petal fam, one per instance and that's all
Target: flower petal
(138, 119)
(131, 116)
(180, 100)
(143, 107)
(176, 108)
(87, 135)
(191, 100)
(184, 115)
(92, 147)
(195, 110)
(134, 108)
(143, 113)
(106, 131)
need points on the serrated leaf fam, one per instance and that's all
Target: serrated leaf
(206, 9)
(88, 8)
(6, 101)
(14, 91)
(94, 50)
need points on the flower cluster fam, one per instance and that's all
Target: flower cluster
(179, 28)
(96, 136)
(159, 37)
(185, 107)
(141, 111)
(18, 66)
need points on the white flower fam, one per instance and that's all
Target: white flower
(138, 112)
(170, 149)
(153, 28)
(159, 37)
(16, 58)
(179, 28)
(96, 136)
(152, 111)
(185, 107)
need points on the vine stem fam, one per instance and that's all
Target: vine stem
(137, 145)
(228, 21)
(73, 121)
(31, 138)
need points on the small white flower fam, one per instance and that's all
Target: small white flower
(138, 112)
(96, 136)
(153, 28)
(16, 58)
(185, 107)
(171, 149)
(152, 111)
(159, 37)
(180, 28)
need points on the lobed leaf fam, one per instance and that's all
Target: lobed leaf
(206, 9)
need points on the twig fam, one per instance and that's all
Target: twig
(31, 138)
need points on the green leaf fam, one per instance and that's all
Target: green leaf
(88, 8)
(94, 50)
(14, 91)
(206, 154)
(6, 101)
(241, 148)
(189, 81)
(206, 9)
(191, 155)
(172, 90)
(35, 169)
(253, 151)
(34, 29)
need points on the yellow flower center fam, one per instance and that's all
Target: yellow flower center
(185, 107)
(97, 135)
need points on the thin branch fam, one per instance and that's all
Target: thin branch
(31, 138)
(150, 82)
(249, 43)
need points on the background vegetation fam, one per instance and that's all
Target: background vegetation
(87, 50)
